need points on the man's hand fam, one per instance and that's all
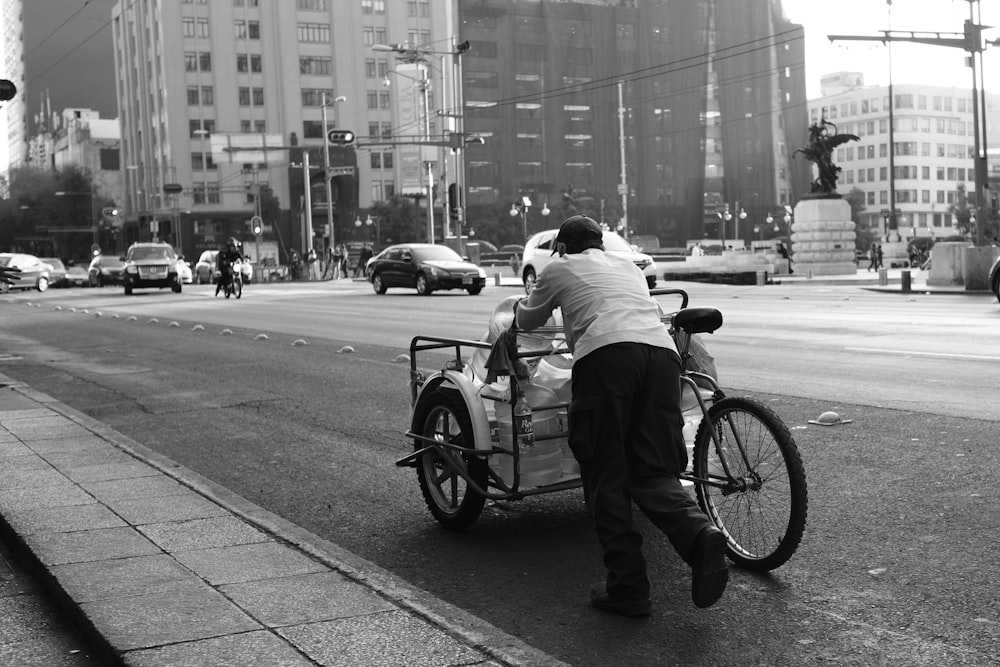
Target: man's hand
(7, 274)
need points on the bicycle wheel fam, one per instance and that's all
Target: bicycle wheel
(447, 494)
(762, 509)
(238, 287)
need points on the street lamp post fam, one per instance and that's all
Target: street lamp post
(368, 223)
(520, 207)
(411, 55)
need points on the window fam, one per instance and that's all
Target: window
(192, 95)
(253, 29)
(246, 63)
(376, 160)
(317, 33)
(190, 61)
(258, 96)
(205, 61)
(372, 97)
(313, 5)
(312, 129)
(373, 130)
(187, 26)
(240, 29)
(313, 97)
(315, 65)
(243, 97)
(207, 96)
(370, 70)
(387, 160)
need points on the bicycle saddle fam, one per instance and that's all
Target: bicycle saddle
(697, 320)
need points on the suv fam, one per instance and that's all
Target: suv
(538, 253)
(151, 265)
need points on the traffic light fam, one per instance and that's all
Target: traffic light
(340, 137)
(454, 203)
(7, 90)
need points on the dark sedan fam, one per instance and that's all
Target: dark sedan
(425, 267)
(106, 270)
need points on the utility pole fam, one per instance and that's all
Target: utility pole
(970, 41)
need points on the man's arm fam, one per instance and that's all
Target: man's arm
(535, 310)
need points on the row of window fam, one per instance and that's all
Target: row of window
(905, 148)
(908, 172)
(911, 124)
(900, 101)
(911, 197)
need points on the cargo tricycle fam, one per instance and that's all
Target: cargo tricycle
(745, 469)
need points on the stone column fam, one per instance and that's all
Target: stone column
(823, 237)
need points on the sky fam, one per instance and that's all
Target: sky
(911, 63)
(934, 65)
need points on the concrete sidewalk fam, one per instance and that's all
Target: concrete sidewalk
(159, 566)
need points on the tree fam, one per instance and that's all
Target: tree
(400, 220)
(863, 234)
(961, 212)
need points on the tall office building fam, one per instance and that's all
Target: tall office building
(703, 99)
(192, 72)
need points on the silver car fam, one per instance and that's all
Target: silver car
(538, 252)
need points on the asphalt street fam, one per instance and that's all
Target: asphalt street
(894, 566)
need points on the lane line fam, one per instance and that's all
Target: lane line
(942, 355)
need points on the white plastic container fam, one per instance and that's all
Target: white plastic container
(542, 463)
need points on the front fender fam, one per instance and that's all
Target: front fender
(458, 382)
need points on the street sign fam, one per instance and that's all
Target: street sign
(154, 226)
(341, 171)
(340, 137)
(172, 188)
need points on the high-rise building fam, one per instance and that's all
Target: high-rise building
(703, 101)
(933, 160)
(193, 73)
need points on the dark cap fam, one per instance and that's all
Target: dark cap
(578, 233)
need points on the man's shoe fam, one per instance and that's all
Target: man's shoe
(709, 572)
(632, 608)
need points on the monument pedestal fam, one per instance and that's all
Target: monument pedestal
(823, 238)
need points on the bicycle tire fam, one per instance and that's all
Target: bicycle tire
(238, 287)
(764, 518)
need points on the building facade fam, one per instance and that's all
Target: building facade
(191, 74)
(704, 100)
(933, 136)
(711, 107)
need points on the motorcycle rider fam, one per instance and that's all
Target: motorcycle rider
(224, 263)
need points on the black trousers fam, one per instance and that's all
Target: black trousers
(626, 432)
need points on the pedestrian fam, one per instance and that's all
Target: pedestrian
(363, 257)
(515, 264)
(344, 257)
(872, 257)
(328, 263)
(311, 264)
(335, 269)
(293, 263)
(783, 251)
(878, 255)
(625, 425)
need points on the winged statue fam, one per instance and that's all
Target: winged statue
(819, 150)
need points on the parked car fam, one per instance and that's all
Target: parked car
(995, 278)
(151, 265)
(57, 274)
(184, 271)
(76, 276)
(538, 253)
(425, 267)
(204, 270)
(34, 272)
(106, 270)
